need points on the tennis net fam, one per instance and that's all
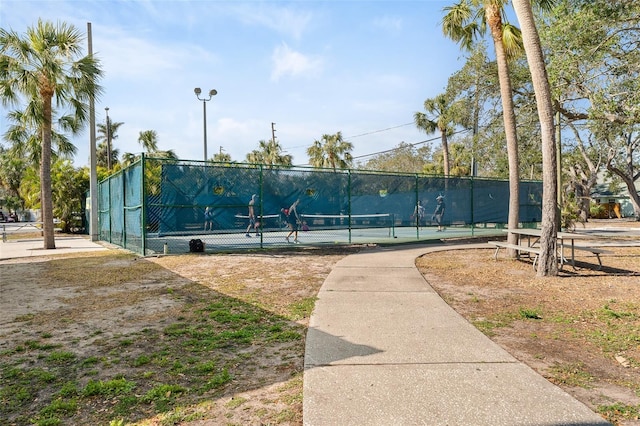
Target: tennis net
(354, 221)
(267, 221)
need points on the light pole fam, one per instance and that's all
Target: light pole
(108, 140)
(212, 93)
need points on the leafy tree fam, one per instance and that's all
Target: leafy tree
(596, 79)
(69, 188)
(403, 158)
(331, 151)
(270, 154)
(466, 21)
(460, 160)
(582, 162)
(30, 188)
(623, 159)
(222, 157)
(548, 262)
(43, 65)
(476, 86)
(11, 170)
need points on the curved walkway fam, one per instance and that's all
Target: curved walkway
(384, 349)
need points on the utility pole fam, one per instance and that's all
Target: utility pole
(273, 133)
(93, 174)
(108, 140)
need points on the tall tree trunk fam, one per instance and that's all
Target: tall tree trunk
(46, 192)
(494, 19)
(548, 262)
(445, 152)
(585, 179)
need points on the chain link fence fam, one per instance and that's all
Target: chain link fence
(158, 206)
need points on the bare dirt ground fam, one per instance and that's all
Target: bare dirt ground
(187, 339)
(154, 326)
(580, 330)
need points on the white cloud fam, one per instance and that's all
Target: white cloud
(125, 55)
(154, 52)
(289, 62)
(282, 20)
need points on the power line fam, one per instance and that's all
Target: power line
(381, 130)
(396, 148)
(392, 149)
(362, 134)
(410, 144)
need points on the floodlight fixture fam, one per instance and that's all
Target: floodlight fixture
(212, 93)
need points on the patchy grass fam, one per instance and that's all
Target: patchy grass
(110, 338)
(573, 374)
(581, 329)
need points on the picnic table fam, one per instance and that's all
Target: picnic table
(14, 227)
(533, 240)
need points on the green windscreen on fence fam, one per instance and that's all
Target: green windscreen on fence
(159, 204)
(133, 207)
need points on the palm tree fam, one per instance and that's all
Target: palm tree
(43, 65)
(332, 151)
(25, 138)
(103, 154)
(441, 115)
(548, 262)
(128, 159)
(464, 22)
(169, 154)
(107, 156)
(270, 154)
(222, 157)
(149, 140)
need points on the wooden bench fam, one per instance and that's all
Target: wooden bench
(519, 248)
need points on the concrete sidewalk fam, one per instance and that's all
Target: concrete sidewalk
(384, 349)
(29, 247)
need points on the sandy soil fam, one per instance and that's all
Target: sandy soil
(85, 302)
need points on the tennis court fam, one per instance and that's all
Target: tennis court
(158, 203)
(320, 230)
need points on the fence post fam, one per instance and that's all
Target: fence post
(109, 203)
(349, 199)
(261, 210)
(473, 221)
(417, 217)
(125, 185)
(143, 202)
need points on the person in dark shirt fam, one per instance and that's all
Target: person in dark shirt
(439, 212)
(293, 221)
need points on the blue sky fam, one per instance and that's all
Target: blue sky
(312, 67)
